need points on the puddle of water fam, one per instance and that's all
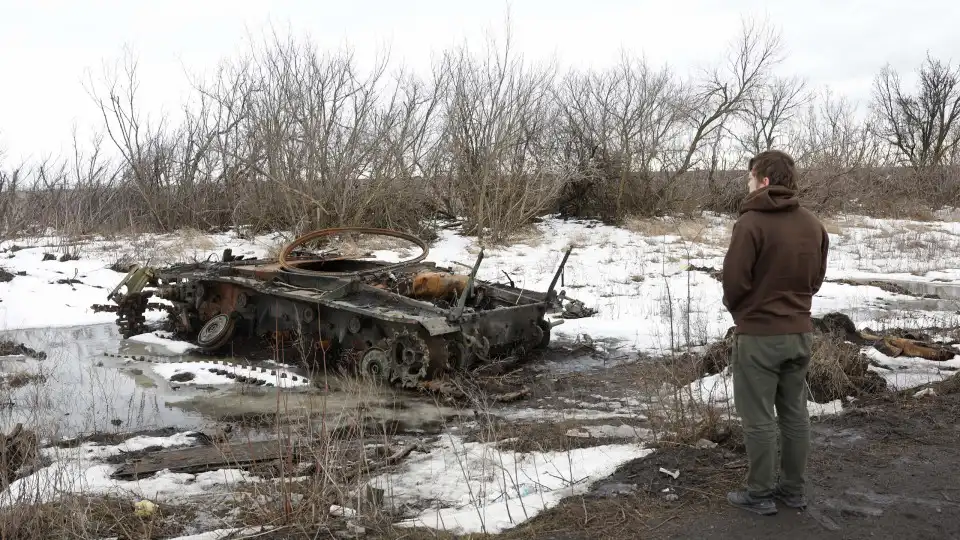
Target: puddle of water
(926, 304)
(944, 291)
(581, 363)
(84, 391)
(342, 402)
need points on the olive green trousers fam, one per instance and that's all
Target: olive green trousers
(770, 392)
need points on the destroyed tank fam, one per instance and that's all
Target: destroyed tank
(401, 322)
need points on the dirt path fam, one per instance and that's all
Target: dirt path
(884, 469)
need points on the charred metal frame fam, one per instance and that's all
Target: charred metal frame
(362, 310)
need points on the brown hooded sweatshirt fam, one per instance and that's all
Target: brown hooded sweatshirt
(776, 262)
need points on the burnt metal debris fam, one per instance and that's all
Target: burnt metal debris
(402, 322)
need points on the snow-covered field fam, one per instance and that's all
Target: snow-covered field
(638, 277)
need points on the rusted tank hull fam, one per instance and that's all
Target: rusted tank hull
(401, 323)
(366, 327)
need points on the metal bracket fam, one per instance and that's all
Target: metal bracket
(456, 312)
(135, 280)
(556, 276)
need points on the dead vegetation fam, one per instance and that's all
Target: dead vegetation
(20, 379)
(80, 516)
(288, 137)
(838, 369)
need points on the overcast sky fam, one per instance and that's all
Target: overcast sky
(50, 47)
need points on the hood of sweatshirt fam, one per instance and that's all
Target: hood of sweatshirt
(770, 199)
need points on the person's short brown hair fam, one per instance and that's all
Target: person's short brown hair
(777, 166)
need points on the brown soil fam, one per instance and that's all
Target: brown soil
(883, 469)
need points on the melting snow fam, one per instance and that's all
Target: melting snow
(479, 488)
(170, 346)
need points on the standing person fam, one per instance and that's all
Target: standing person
(775, 264)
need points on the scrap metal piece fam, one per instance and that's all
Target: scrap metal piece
(135, 280)
(468, 289)
(556, 276)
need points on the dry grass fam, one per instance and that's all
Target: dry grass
(832, 226)
(688, 229)
(80, 516)
(839, 370)
(529, 235)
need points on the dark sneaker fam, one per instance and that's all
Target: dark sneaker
(742, 499)
(793, 501)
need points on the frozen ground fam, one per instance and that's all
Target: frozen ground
(639, 278)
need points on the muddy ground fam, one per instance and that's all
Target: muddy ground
(883, 469)
(885, 465)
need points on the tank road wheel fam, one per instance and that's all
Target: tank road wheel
(216, 332)
(409, 358)
(375, 365)
(458, 357)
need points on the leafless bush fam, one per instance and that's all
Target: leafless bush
(497, 169)
(80, 516)
(615, 128)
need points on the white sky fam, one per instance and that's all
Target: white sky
(50, 47)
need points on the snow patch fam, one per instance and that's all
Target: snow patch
(717, 390)
(479, 488)
(223, 534)
(171, 346)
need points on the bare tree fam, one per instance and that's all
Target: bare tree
(837, 153)
(726, 91)
(922, 127)
(498, 112)
(767, 116)
(631, 114)
(831, 136)
(320, 143)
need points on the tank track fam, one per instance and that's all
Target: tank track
(270, 373)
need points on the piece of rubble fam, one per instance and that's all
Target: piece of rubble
(622, 431)
(341, 511)
(925, 393)
(675, 474)
(183, 376)
(575, 309)
(898, 346)
(705, 444)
